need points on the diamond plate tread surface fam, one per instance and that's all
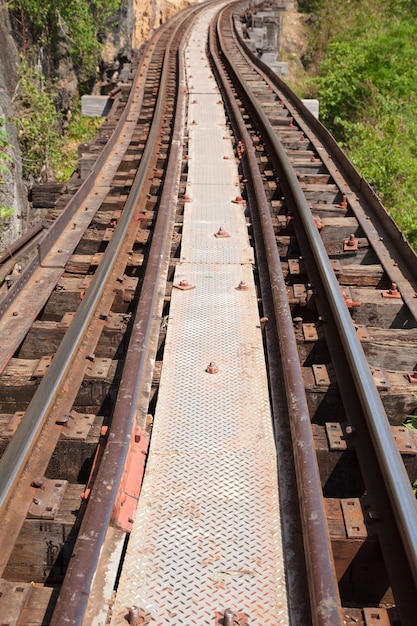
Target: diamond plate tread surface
(207, 532)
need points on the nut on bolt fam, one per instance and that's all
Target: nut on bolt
(184, 285)
(133, 617)
(412, 378)
(221, 234)
(229, 618)
(351, 243)
(392, 293)
(212, 368)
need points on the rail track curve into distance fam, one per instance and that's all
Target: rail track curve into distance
(208, 364)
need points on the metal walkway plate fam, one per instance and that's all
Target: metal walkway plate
(207, 534)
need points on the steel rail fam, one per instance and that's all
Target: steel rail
(98, 516)
(13, 251)
(17, 251)
(65, 218)
(392, 468)
(324, 595)
(18, 451)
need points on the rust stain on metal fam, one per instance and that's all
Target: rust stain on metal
(131, 483)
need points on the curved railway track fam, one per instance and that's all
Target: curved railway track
(82, 337)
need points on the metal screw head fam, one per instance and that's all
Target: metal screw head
(229, 618)
(133, 617)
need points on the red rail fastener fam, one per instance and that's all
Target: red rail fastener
(212, 368)
(392, 293)
(187, 198)
(349, 302)
(343, 204)
(263, 322)
(238, 200)
(351, 243)
(131, 483)
(221, 234)
(319, 224)
(241, 149)
(184, 285)
(412, 377)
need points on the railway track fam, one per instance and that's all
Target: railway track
(82, 343)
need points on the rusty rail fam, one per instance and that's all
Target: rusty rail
(100, 511)
(391, 466)
(324, 595)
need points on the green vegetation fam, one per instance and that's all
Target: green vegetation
(5, 165)
(51, 30)
(42, 142)
(37, 122)
(362, 66)
(411, 422)
(80, 130)
(70, 27)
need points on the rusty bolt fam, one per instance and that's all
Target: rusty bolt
(298, 321)
(263, 321)
(343, 204)
(238, 200)
(184, 285)
(61, 421)
(229, 618)
(319, 224)
(134, 616)
(351, 243)
(392, 293)
(242, 286)
(221, 233)
(212, 368)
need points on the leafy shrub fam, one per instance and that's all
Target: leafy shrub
(67, 25)
(365, 77)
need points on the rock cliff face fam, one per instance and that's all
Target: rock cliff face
(12, 190)
(137, 20)
(149, 14)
